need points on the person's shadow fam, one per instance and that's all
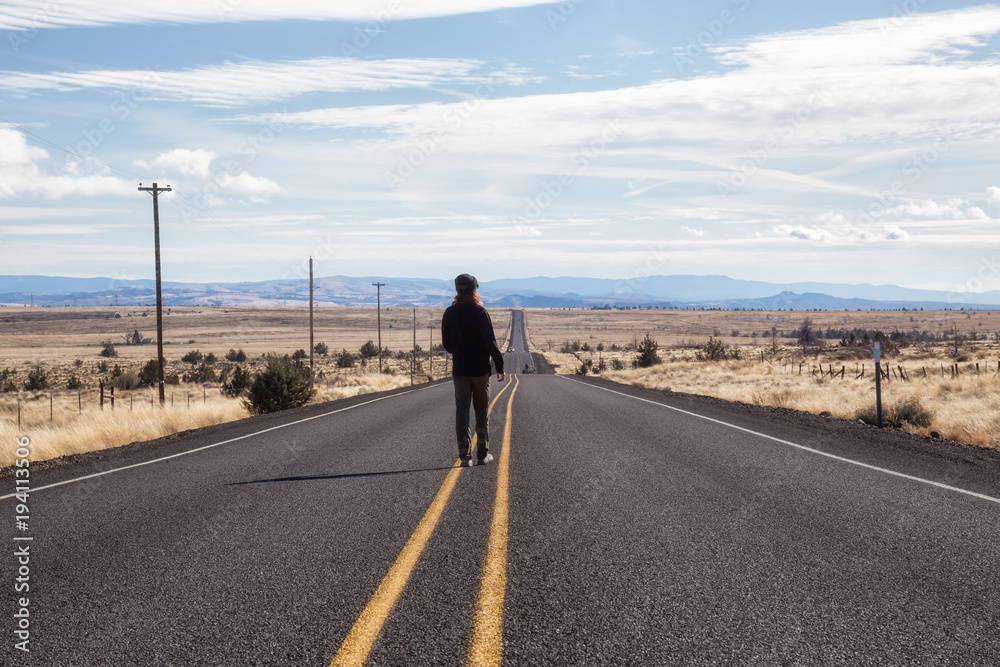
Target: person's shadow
(307, 478)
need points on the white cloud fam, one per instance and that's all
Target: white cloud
(28, 14)
(693, 232)
(20, 175)
(894, 233)
(182, 160)
(246, 184)
(814, 234)
(994, 194)
(234, 84)
(837, 97)
(952, 209)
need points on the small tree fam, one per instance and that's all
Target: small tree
(345, 359)
(647, 353)
(210, 358)
(617, 364)
(149, 374)
(321, 349)
(805, 333)
(299, 355)
(239, 356)
(238, 382)
(369, 350)
(193, 357)
(108, 349)
(37, 380)
(74, 383)
(201, 374)
(281, 385)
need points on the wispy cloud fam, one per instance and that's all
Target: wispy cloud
(846, 85)
(29, 14)
(236, 84)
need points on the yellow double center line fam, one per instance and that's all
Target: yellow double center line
(358, 644)
(487, 633)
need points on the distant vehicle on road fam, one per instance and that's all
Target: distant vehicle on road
(510, 348)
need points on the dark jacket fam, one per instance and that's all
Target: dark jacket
(467, 333)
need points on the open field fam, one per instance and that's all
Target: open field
(958, 386)
(66, 342)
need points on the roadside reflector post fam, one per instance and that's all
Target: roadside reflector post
(878, 384)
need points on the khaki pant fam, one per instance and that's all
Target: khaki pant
(474, 390)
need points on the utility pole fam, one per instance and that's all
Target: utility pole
(430, 350)
(155, 191)
(413, 353)
(312, 373)
(378, 287)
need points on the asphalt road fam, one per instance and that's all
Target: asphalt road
(617, 526)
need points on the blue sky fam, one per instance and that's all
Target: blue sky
(779, 141)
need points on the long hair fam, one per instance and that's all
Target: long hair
(467, 297)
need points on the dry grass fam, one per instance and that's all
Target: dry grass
(964, 408)
(66, 341)
(70, 433)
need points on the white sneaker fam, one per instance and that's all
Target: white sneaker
(469, 462)
(482, 462)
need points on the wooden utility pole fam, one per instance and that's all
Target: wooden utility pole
(413, 353)
(155, 191)
(378, 287)
(312, 373)
(430, 350)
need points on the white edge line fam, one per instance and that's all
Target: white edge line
(797, 446)
(215, 444)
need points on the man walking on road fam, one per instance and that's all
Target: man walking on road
(467, 333)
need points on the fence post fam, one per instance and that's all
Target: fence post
(50, 405)
(102, 394)
(79, 402)
(878, 385)
(19, 414)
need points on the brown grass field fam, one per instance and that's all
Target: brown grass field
(961, 404)
(67, 341)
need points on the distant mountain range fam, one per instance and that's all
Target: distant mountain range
(564, 292)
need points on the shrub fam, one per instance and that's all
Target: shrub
(37, 380)
(7, 383)
(201, 374)
(108, 349)
(238, 383)
(715, 350)
(321, 349)
(239, 356)
(193, 357)
(583, 369)
(909, 410)
(102, 367)
(345, 359)
(149, 373)
(369, 350)
(74, 383)
(125, 381)
(210, 358)
(647, 353)
(299, 355)
(617, 364)
(281, 385)
(78, 363)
